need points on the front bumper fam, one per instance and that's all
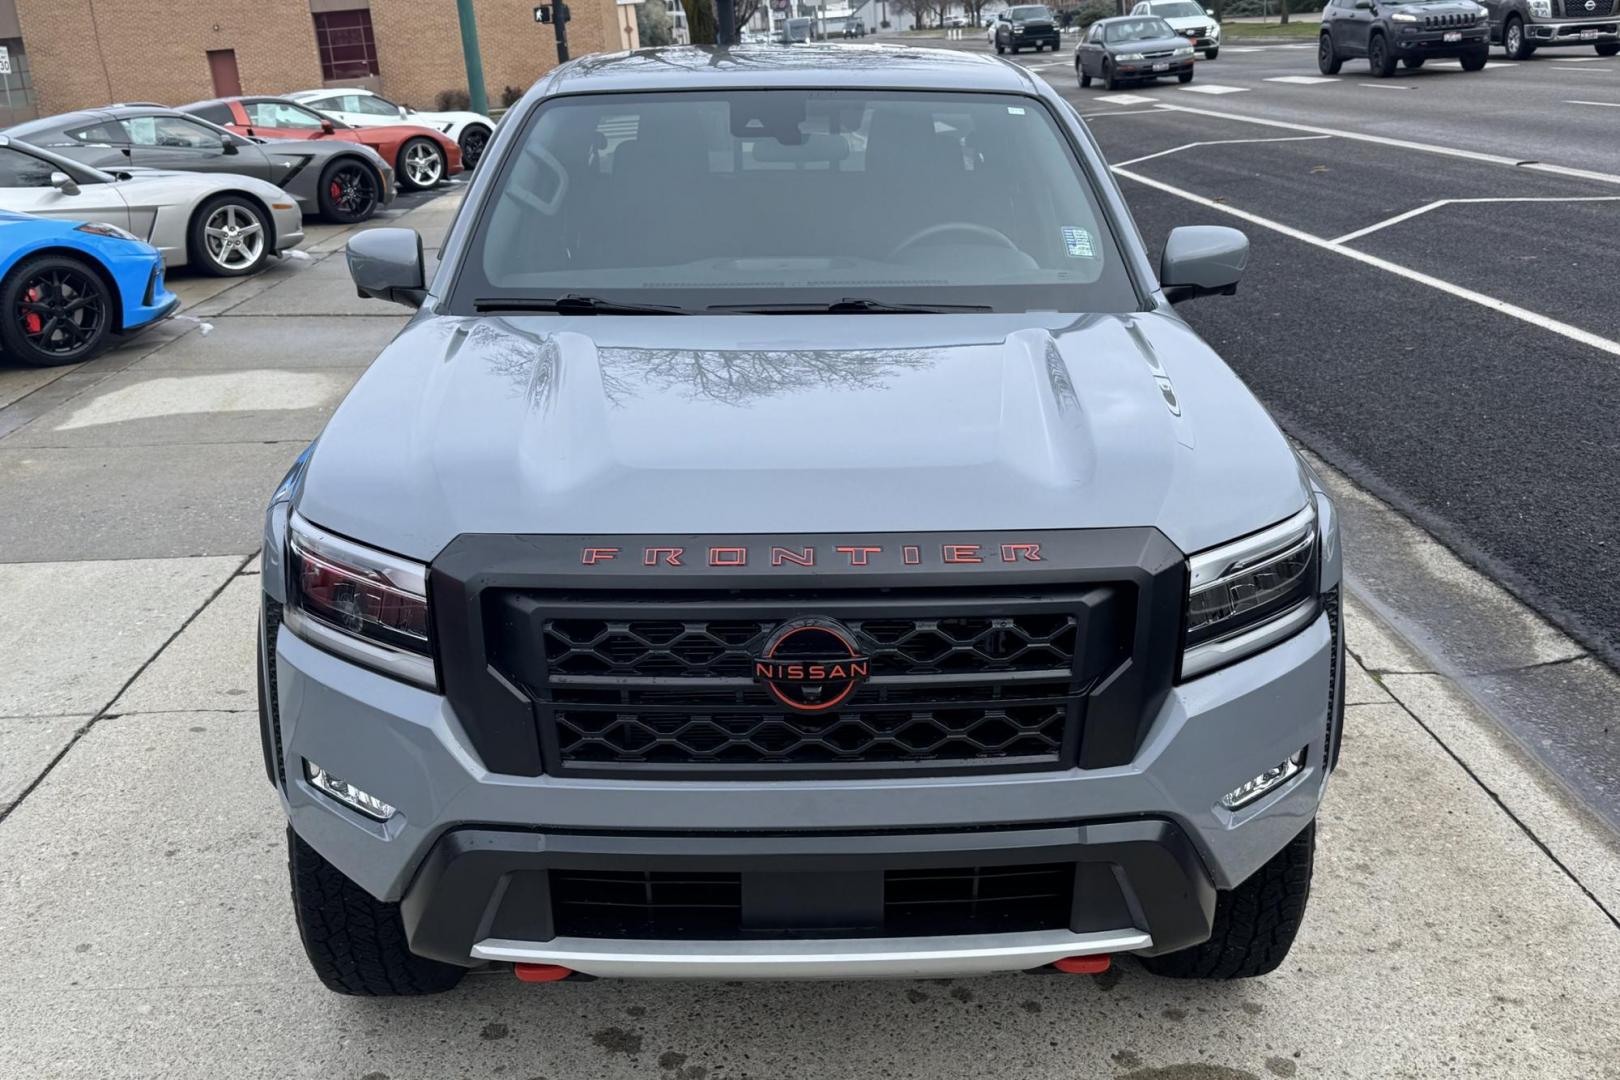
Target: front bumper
(1144, 69)
(289, 225)
(483, 894)
(1573, 33)
(1433, 43)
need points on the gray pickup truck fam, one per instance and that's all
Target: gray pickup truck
(897, 587)
(1523, 26)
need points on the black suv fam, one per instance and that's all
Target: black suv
(1388, 34)
(1026, 26)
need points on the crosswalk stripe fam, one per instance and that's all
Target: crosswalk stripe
(1214, 88)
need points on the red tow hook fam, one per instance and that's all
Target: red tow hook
(541, 972)
(1083, 965)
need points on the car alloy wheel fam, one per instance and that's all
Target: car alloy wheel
(61, 312)
(424, 164)
(234, 236)
(473, 141)
(351, 191)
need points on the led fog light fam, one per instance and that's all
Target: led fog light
(1263, 783)
(346, 793)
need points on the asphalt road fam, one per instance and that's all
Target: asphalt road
(1390, 352)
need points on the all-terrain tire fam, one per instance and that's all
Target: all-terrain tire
(1255, 923)
(1476, 61)
(355, 942)
(1515, 42)
(1210, 54)
(1328, 61)
(1380, 57)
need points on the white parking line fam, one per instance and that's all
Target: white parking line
(1384, 86)
(1301, 80)
(1437, 204)
(1525, 315)
(1578, 59)
(1492, 66)
(1220, 142)
(1599, 104)
(1126, 99)
(1402, 144)
(1214, 88)
(1120, 112)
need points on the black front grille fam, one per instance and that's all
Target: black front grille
(1449, 21)
(272, 624)
(955, 681)
(1577, 9)
(646, 904)
(718, 648)
(690, 905)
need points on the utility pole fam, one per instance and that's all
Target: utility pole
(725, 16)
(475, 61)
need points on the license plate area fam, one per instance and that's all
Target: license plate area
(1452, 35)
(1589, 35)
(1161, 67)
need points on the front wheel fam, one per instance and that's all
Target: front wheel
(349, 191)
(1514, 43)
(1476, 61)
(1210, 54)
(58, 310)
(1184, 76)
(1328, 61)
(472, 141)
(1255, 923)
(1085, 80)
(355, 942)
(1379, 58)
(421, 164)
(230, 236)
(1608, 48)
(1110, 80)
(1000, 49)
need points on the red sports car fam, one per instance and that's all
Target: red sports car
(422, 157)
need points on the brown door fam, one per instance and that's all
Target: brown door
(222, 66)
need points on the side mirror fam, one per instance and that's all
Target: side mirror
(386, 264)
(1210, 12)
(402, 111)
(228, 148)
(1363, 5)
(1202, 260)
(64, 183)
(328, 127)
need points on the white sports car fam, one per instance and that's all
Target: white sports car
(221, 223)
(1192, 21)
(362, 108)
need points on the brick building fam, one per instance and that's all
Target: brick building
(69, 54)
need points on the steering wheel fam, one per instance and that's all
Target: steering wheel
(931, 231)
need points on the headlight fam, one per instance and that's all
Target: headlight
(1484, 17)
(365, 605)
(1129, 56)
(1541, 9)
(1248, 595)
(1403, 17)
(100, 228)
(1184, 51)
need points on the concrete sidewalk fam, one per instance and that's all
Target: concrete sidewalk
(1462, 923)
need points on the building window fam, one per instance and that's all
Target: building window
(16, 84)
(348, 51)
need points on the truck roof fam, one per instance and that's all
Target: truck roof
(821, 65)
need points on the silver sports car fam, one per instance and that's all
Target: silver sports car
(341, 181)
(226, 225)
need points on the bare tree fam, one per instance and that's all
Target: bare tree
(919, 10)
(700, 22)
(745, 12)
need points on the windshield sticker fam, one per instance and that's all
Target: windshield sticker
(1016, 110)
(1077, 242)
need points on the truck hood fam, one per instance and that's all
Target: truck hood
(649, 425)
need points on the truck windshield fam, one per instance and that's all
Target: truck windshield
(710, 201)
(1033, 13)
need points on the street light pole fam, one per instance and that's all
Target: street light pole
(725, 17)
(475, 62)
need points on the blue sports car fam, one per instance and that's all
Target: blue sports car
(67, 288)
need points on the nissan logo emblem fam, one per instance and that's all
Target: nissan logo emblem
(1591, 5)
(811, 665)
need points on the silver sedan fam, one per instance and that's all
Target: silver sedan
(219, 223)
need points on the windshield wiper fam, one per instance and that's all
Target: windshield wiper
(849, 305)
(574, 304)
